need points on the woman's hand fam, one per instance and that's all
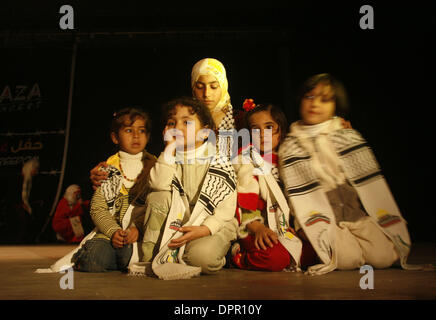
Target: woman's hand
(263, 236)
(97, 176)
(190, 233)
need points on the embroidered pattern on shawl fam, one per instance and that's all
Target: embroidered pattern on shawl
(276, 205)
(358, 161)
(300, 179)
(110, 188)
(219, 183)
(361, 170)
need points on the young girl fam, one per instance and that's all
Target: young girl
(113, 243)
(266, 241)
(193, 196)
(328, 173)
(111, 248)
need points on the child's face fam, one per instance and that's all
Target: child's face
(207, 89)
(265, 140)
(187, 125)
(132, 138)
(318, 105)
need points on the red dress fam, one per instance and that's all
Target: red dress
(249, 257)
(61, 221)
(271, 259)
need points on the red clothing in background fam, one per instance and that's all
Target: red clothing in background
(61, 221)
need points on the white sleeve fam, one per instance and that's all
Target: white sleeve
(162, 173)
(224, 212)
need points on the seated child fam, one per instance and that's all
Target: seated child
(111, 248)
(266, 241)
(329, 172)
(190, 177)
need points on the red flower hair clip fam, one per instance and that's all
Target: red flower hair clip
(248, 104)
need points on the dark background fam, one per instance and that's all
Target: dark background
(141, 53)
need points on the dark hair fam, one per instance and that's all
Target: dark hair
(141, 188)
(338, 89)
(131, 113)
(195, 107)
(275, 112)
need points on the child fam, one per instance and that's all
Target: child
(328, 173)
(192, 181)
(265, 239)
(111, 247)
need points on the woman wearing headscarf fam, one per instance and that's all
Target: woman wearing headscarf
(209, 85)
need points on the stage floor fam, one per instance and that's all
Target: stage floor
(18, 281)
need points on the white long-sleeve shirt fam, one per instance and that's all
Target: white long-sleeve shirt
(191, 173)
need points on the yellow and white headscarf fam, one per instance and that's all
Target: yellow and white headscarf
(213, 67)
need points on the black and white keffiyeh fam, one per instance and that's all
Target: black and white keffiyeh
(306, 191)
(226, 133)
(219, 183)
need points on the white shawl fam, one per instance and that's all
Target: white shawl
(300, 172)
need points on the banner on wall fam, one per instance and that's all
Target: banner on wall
(34, 92)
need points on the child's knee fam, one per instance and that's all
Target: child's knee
(149, 251)
(157, 208)
(278, 258)
(205, 258)
(123, 256)
(382, 257)
(92, 266)
(349, 252)
(351, 260)
(207, 253)
(378, 250)
(96, 255)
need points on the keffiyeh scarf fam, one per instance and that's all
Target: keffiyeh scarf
(276, 204)
(110, 189)
(219, 183)
(307, 196)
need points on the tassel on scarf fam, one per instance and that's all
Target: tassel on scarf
(176, 271)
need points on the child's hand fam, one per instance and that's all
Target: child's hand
(263, 236)
(170, 135)
(191, 233)
(97, 176)
(170, 141)
(118, 238)
(132, 235)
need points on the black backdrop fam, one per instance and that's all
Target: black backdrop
(141, 54)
